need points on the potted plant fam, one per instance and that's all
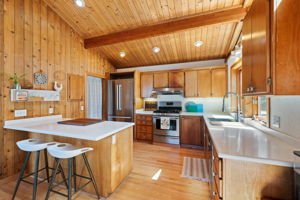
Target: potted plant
(16, 79)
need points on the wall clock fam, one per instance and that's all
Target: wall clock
(40, 78)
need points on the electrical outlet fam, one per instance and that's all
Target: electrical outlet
(20, 113)
(51, 110)
(81, 107)
(276, 121)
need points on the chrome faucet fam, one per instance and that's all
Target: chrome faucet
(238, 114)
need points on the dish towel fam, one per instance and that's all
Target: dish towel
(165, 123)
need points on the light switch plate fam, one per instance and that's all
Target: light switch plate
(51, 110)
(20, 113)
(276, 121)
(81, 107)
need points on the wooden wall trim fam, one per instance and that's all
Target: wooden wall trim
(175, 25)
(1, 85)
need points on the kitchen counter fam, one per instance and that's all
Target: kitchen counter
(49, 125)
(250, 144)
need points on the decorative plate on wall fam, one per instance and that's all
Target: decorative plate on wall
(40, 78)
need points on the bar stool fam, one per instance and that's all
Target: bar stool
(34, 145)
(68, 151)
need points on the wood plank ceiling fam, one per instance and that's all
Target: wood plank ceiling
(109, 16)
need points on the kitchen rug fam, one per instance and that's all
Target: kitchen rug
(195, 168)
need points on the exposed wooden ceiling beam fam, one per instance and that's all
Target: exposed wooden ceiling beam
(225, 16)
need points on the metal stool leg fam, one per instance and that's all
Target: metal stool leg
(36, 172)
(63, 176)
(21, 174)
(70, 173)
(46, 165)
(74, 174)
(53, 176)
(91, 174)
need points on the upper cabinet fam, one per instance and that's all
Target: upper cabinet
(190, 89)
(75, 87)
(176, 79)
(270, 48)
(146, 85)
(207, 82)
(161, 80)
(218, 82)
(204, 83)
(256, 49)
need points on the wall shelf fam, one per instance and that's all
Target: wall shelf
(25, 95)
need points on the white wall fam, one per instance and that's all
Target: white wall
(288, 109)
(185, 65)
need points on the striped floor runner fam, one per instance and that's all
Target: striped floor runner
(195, 168)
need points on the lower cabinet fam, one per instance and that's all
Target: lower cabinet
(191, 132)
(144, 129)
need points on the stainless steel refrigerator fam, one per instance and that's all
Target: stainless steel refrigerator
(120, 100)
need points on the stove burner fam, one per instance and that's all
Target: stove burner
(168, 111)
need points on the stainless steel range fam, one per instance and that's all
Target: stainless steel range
(168, 111)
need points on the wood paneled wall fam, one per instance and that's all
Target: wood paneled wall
(33, 38)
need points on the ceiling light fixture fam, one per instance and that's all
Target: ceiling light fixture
(122, 54)
(79, 3)
(156, 49)
(198, 43)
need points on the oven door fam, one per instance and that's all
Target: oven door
(172, 131)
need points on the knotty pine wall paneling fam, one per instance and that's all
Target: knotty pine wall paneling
(34, 38)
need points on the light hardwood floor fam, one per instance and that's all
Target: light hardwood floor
(148, 159)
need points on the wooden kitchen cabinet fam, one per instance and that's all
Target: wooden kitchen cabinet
(161, 80)
(75, 87)
(270, 48)
(256, 49)
(176, 79)
(204, 83)
(218, 82)
(191, 131)
(146, 85)
(144, 129)
(191, 89)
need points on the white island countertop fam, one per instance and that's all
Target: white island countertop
(48, 125)
(247, 143)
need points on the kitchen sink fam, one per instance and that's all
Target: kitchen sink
(221, 120)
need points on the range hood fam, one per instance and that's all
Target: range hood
(168, 91)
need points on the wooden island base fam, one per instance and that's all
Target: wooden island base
(111, 160)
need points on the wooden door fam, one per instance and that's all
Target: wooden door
(75, 87)
(219, 82)
(247, 52)
(204, 83)
(190, 89)
(146, 85)
(260, 46)
(161, 80)
(191, 131)
(176, 79)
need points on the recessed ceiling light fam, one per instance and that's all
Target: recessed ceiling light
(122, 54)
(198, 43)
(79, 3)
(156, 49)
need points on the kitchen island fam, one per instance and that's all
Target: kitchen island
(111, 160)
